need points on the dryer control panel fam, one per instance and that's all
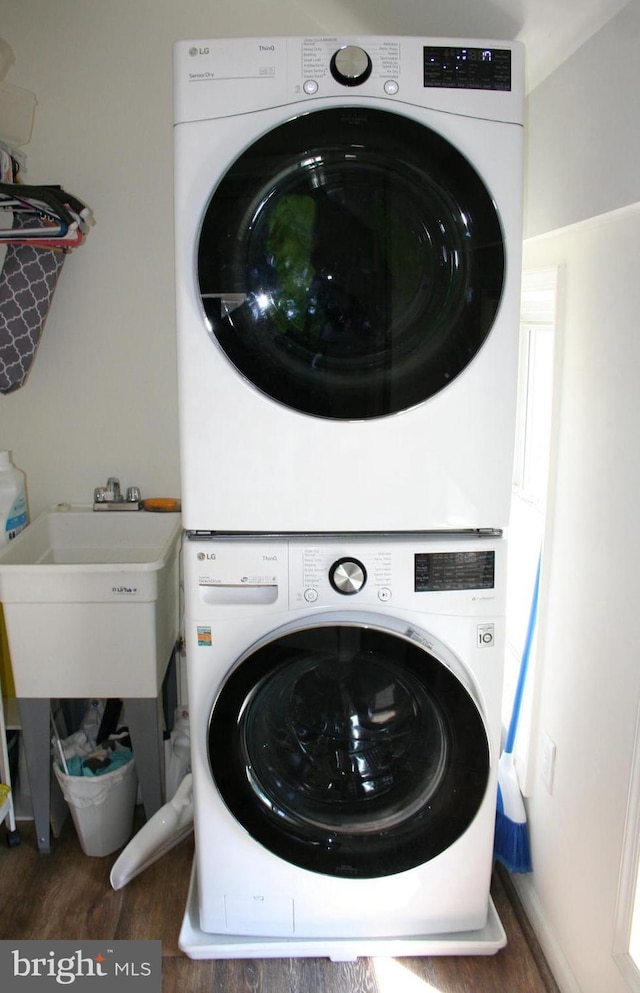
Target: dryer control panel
(462, 68)
(223, 77)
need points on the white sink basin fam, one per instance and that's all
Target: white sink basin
(91, 602)
(79, 536)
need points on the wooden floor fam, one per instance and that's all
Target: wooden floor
(68, 895)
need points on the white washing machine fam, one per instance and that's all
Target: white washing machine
(345, 723)
(348, 242)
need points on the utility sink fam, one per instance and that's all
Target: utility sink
(91, 602)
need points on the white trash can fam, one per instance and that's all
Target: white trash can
(102, 807)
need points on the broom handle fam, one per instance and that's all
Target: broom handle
(524, 665)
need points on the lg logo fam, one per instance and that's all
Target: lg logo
(204, 556)
(198, 51)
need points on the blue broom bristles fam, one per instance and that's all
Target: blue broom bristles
(511, 844)
(511, 839)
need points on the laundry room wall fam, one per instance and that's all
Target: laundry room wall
(583, 209)
(582, 130)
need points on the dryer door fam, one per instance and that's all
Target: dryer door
(350, 749)
(351, 263)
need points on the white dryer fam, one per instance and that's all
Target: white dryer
(345, 723)
(348, 242)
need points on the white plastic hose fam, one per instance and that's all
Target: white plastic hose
(167, 828)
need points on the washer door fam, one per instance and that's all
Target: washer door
(350, 749)
(351, 263)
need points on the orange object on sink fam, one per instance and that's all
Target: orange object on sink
(166, 505)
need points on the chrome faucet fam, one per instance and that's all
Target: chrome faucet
(110, 497)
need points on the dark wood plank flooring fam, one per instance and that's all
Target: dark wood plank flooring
(68, 895)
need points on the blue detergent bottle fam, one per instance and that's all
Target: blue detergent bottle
(14, 514)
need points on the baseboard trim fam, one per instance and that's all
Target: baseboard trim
(561, 974)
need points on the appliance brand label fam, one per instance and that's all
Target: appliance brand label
(124, 590)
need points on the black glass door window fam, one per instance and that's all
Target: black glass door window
(349, 751)
(350, 263)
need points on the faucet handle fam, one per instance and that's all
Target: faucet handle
(133, 494)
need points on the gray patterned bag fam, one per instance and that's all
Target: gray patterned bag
(27, 282)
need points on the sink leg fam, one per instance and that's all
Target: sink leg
(146, 726)
(34, 721)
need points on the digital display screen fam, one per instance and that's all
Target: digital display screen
(435, 571)
(467, 68)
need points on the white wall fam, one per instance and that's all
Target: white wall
(582, 130)
(590, 679)
(583, 147)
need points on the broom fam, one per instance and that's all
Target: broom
(511, 842)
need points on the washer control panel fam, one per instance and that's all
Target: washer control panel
(325, 573)
(426, 573)
(444, 574)
(453, 570)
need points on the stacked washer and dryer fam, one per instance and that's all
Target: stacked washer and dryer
(348, 230)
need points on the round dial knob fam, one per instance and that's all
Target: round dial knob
(347, 576)
(351, 65)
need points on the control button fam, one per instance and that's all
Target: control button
(351, 65)
(384, 594)
(391, 87)
(310, 87)
(311, 595)
(347, 576)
